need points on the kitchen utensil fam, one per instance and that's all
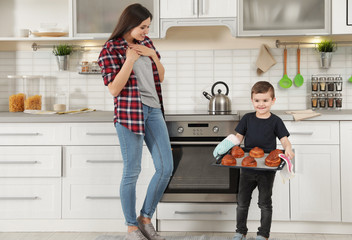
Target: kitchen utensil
(350, 79)
(298, 80)
(219, 104)
(49, 34)
(285, 81)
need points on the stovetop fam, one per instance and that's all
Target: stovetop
(203, 116)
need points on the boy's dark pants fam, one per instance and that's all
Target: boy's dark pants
(249, 179)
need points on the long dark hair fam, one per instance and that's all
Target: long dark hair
(131, 17)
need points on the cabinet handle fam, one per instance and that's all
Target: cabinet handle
(193, 213)
(100, 134)
(18, 162)
(104, 161)
(195, 7)
(302, 133)
(102, 197)
(19, 198)
(19, 134)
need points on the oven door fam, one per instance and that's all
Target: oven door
(194, 178)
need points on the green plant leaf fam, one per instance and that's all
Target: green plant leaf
(62, 50)
(326, 46)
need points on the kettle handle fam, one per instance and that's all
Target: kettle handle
(220, 82)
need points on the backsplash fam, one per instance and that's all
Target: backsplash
(188, 74)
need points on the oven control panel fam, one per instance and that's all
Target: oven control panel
(194, 129)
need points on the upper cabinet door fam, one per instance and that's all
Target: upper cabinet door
(98, 18)
(198, 8)
(282, 17)
(178, 8)
(341, 17)
(217, 8)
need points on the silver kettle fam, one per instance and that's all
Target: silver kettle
(219, 104)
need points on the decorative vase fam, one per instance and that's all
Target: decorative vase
(325, 59)
(62, 62)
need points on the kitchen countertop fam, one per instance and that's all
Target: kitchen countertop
(108, 116)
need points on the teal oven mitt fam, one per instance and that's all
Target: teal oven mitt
(225, 145)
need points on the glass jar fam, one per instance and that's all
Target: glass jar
(331, 84)
(338, 83)
(84, 67)
(322, 84)
(95, 68)
(314, 100)
(314, 84)
(331, 100)
(60, 102)
(338, 100)
(322, 100)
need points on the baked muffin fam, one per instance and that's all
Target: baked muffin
(273, 159)
(228, 160)
(256, 152)
(249, 162)
(237, 152)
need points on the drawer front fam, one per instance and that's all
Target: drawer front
(101, 162)
(93, 134)
(30, 198)
(196, 211)
(313, 132)
(32, 134)
(98, 200)
(30, 161)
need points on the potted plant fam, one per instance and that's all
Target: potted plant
(62, 51)
(326, 48)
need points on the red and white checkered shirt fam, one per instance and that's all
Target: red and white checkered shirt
(128, 104)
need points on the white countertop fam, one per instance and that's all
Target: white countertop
(108, 116)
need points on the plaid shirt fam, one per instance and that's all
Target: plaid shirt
(128, 109)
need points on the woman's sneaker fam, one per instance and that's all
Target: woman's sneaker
(239, 236)
(135, 235)
(148, 231)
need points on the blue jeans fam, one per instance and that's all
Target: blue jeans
(249, 180)
(158, 142)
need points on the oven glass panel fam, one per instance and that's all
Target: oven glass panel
(194, 173)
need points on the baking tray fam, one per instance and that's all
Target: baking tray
(260, 161)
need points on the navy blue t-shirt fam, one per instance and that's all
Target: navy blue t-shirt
(260, 132)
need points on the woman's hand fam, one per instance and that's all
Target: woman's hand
(143, 50)
(132, 55)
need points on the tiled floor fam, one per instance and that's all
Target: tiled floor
(92, 236)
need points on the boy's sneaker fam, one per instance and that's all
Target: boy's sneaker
(135, 235)
(239, 236)
(148, 231)
(260, 238)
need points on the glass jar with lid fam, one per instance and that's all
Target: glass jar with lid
(338, 83)
(314, 101)
(95, 68)
(322, 84)
(84, 67)
(331, 100)
(322, 100)
(331, 84)
(314, 84)
(338, 100)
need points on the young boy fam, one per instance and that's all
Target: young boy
(260, 129)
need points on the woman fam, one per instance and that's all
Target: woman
(133, 72)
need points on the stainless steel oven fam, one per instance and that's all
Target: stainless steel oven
(193, 139)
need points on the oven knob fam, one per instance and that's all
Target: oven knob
(180, 129)
(215, 129)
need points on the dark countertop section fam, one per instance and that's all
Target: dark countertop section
(108, 116)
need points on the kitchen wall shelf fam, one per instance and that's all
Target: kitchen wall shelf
(35, 46)
(89, 73)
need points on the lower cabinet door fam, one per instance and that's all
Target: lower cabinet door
(96, 200)
(26, 198)
(315, 189)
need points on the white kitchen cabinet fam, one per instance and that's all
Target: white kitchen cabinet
(197, 13)
(280, 18)
(92, 134)
(346, 166)
(30, 198)
(198, 8)
(340, 16)
(315, 189)
(98, 18)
